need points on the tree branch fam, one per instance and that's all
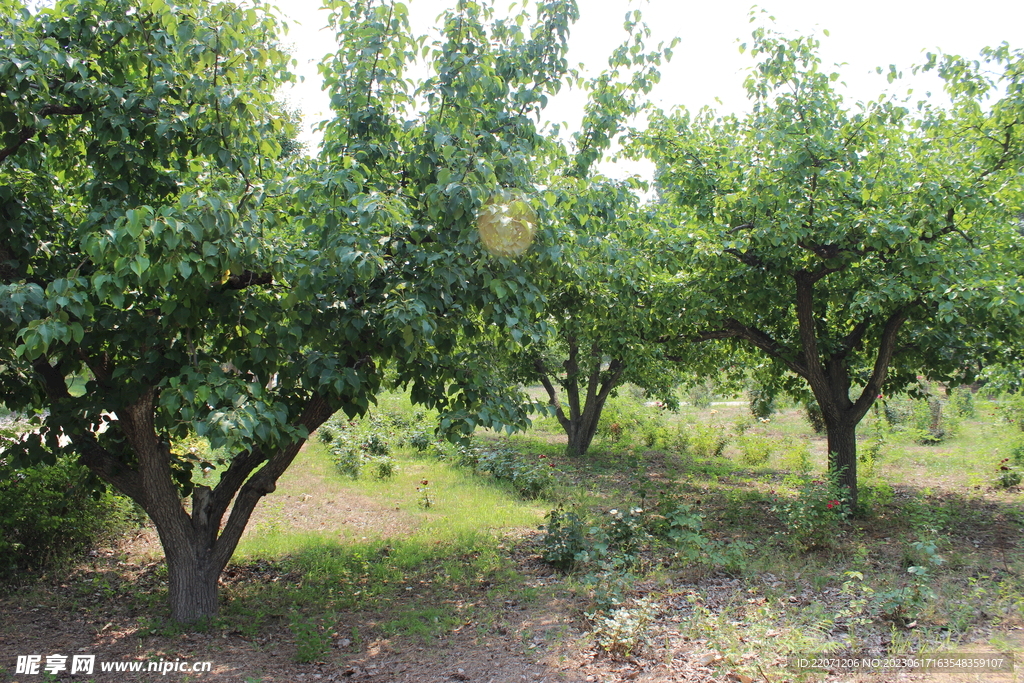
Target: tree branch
(248, 279)
(264, 481)
(545, 381)
(886, 349)
(736, 330)
(28, 132)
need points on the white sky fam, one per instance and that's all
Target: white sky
(707, 63)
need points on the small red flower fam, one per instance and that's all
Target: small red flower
(832, 504)
(542, 456)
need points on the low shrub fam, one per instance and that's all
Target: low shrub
(814, 517)
(529, 477)
(796, 457)
(1006, 475)
(706, 441)
(961, 403)
(50, 513)
(355, 445)
(755, 449)
(625, 630)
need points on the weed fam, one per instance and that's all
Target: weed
(425, 500)
(625, 630)
(684, 529)
(1006, 475)
(904, 603)
(311, 642)
(565, 541)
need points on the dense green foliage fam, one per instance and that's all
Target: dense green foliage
(49, 514)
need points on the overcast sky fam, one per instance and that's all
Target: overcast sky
(707, 64)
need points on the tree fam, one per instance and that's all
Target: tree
(598, 319)
(157, 241)
(854, 247)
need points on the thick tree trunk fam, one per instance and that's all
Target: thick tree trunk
(191, 581)
(196, 546)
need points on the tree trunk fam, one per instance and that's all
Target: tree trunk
(196, 545)
(191, 582)
(580, 424)
(582, 430)
(842, 454)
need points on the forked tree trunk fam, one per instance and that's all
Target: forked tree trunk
(583, 428)
(584, 415)
(196, 545)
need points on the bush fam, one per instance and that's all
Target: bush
(565, 542)
(50, 513)
(1011, 409)
(797, 457)
(755, 449)
(1017, 452)
(706, 441)
(627, 422)
(961, 403)
(814, 416)
(528, 477)
(813, 518)
(701, 395)
(355, 444)
(762, 402)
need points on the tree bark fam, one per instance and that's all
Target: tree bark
(842, 454)
(191, 578)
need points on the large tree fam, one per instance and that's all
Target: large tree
(156, 240)
(854, 246)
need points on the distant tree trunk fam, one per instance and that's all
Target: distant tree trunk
(584, 415)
